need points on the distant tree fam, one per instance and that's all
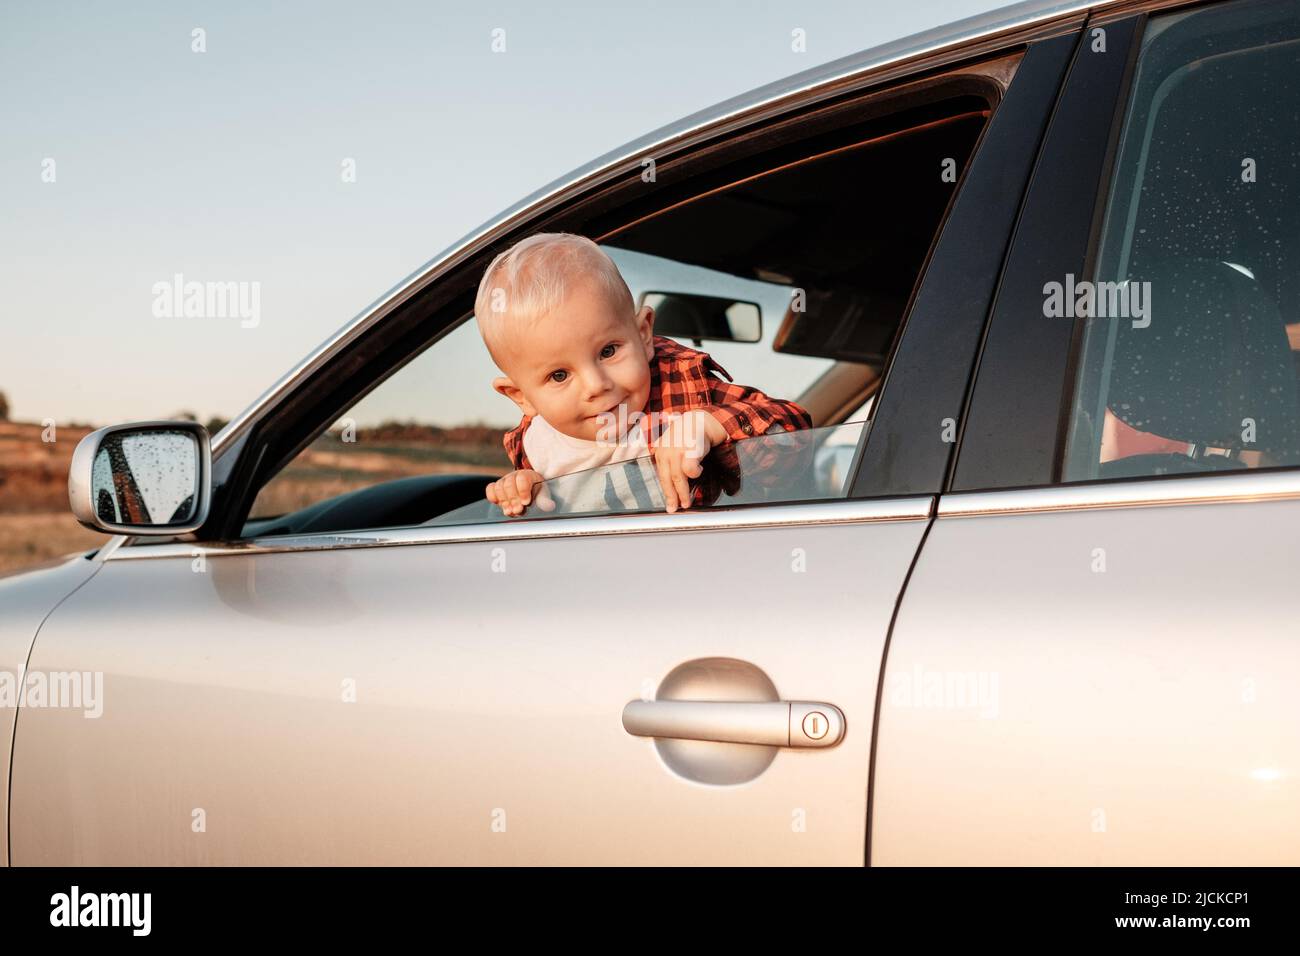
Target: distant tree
(184, 417)
(4, 408)
(216, 424)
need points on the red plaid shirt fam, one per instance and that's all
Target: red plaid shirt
(681, 380)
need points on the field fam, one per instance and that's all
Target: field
(36, 523)
(331, 466)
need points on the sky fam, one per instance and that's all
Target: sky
(315, 154)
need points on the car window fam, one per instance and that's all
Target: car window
(793, 242)
(780, 467)
(439, 418)
(1192, 318)
(437, 415)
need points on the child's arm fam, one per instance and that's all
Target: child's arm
(738, 412)
(679, 450)
(744, 412)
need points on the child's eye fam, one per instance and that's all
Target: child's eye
(608, 351)
(558, 376)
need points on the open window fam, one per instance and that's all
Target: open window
(839, 238)
(822, 222)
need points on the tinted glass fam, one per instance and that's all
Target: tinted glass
(1192, 318)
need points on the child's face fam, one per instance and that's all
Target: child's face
(584, 359)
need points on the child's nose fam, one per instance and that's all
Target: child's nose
(596, 383)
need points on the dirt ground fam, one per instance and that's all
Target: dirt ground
(31, 539)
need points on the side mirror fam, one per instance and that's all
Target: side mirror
(144, 478)
(684, 315)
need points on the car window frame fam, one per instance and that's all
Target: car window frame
(252, 459)
(923, 399)
(1013, 433)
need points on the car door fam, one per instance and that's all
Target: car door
(1096, 657)
(636, 689)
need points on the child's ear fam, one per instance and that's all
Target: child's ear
(513, 392)
(645, 327)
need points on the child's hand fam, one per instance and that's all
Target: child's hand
(515, 492)
(679, 451)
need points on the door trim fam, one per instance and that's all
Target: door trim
(1011, 435)
(1090, 496)
(869, 511)
(928, 373)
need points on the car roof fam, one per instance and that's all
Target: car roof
(893, 54)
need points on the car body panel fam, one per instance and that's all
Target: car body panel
(1142, 662)
(489, 678)
(27, 598)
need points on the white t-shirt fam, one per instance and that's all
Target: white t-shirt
(634, 487)
(552, 453)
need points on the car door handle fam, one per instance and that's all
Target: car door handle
(778, 723)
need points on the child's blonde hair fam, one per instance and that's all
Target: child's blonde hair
(534, 276)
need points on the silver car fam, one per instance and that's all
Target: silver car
(1024, 594)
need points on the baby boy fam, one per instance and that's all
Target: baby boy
(595, 385)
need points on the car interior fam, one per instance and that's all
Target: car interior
(1214, 235)
(847, 228)
(850, 227)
